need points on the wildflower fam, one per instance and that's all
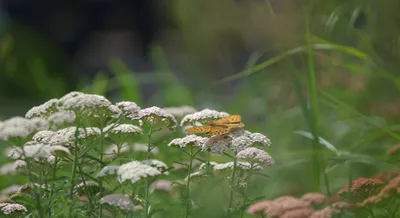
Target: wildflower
(161, 185)
(37, 151)
(144, 148)
(109, 170)
(43, 110)
(373, 200)
(12, 209)
(154, 115)
(190, 140)
(159, 165)
(43, 136)
(282, 206)
(5, 199)
(117, 200)
(203, 166)
(260, 207)
(242, 139)
(391, 189)
(255, 155)
(315, 198)
(184, 165)
(13, 167)
(362, 188)
(180, 111)
(129, 109)
(395, 150)
(90, 105)
(341, 205)
(239, 165)
(388, 175)
(203, 117)
(67, 135)
(70, 95)
(119, 129)
(87, 187)
(135, 171)
(217, 144)
(298, 213)
(113, 150)
(21, 127)
(195, 175)
(10, 190)
(61, 117)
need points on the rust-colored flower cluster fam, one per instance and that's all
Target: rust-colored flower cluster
(291, 207)
(392, 189)
(362, 188)
(394, 150)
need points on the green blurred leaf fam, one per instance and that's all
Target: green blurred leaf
(99, 84)
(128, 83)
(321, 140)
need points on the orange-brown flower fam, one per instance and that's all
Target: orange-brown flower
(391, 189)
(260, 207)
(373, 200)
(394, 150)
(388, 175)
(315, 198)
(362, 188)
(298, 213)
(283, 205)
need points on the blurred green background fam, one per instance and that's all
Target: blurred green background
(329, 68)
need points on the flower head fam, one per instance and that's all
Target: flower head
(362, 188)
(315, 198)
(239, 165)
(10, 190)
(154, 115)
(13, 167)
(217, 144)
(12, 209)
(327, 212)
(120, 129)
(44, 109)
(305, 212)
(38, 151)
(159, 165)
(255, 155)
(61, 117)
(21, 127)
(180, 111)
(161, 185)
(129, 109)
(203, 117)
(394, 150)
(66, 135)
(117, 200)
(189, 140)
(109, 170)
(135, 171)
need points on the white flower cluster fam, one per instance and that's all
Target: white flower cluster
(13, 167)
(159, 165)
(122, 129)
(218, 144)
(135, 171)
(255, 155)
(153, 115)
(44, 109)
(109, 170)
(10, 190)
(161, 185)
(38, 151)
(117, 200)
(180, 111)
(65, 136)
(61, 117)
(242, 139)
(189, 140)
(203, 117)
(129, 109)
(21, 127)
(9, 209)
(240, 165)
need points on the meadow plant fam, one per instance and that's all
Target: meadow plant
(83, 156)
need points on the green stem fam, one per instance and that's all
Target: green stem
(74, 167)
(231, 186)
(35, 189)
(52, 187)
(101, 159)
(187, 211)
(312, 86)
(147, 181)
(247, 181)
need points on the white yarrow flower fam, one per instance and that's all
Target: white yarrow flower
(218, 144)
(122, 128)
(44, 109)
(255, 155)
(129, 109)
(161, 166)
(153, 115)
(109, 170)
(144, 148)
(13, 167)
(180, 111)
(204, 116)
(117, 200)
(21, 127)
(37, 151)
(10, 209)
(189, 140)
(61, 117)
(135, 171)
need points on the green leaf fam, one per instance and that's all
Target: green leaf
(321, 140)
